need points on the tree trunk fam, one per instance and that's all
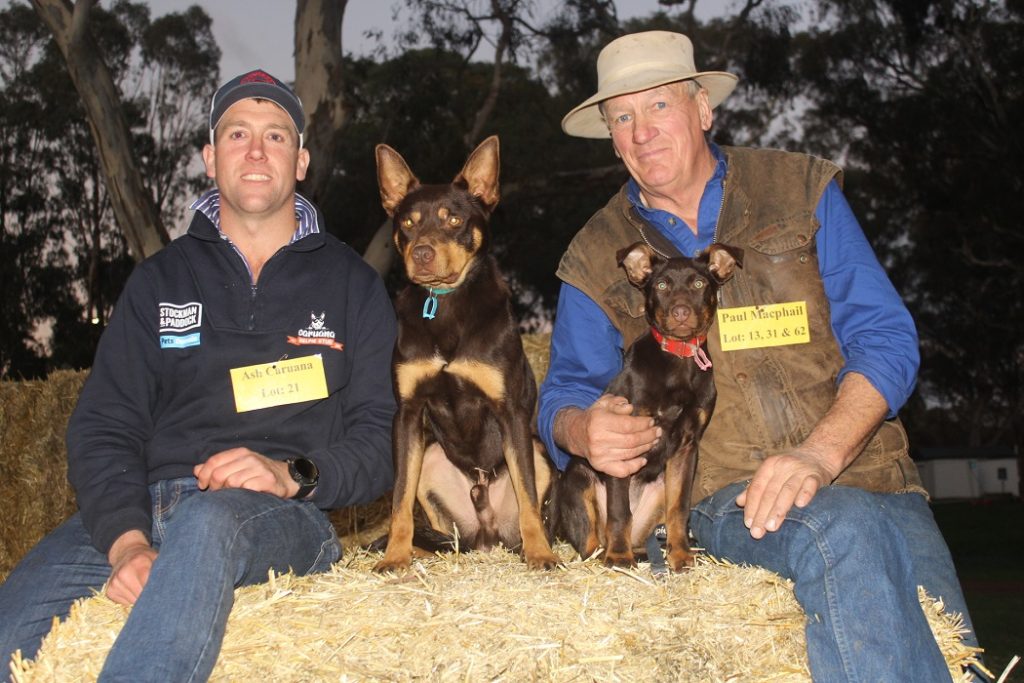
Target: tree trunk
(319, 77)
(134, 208)
(380, 252)
(483, 114)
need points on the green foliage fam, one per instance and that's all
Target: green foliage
(923, 103)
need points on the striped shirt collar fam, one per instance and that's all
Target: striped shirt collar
(305, 214)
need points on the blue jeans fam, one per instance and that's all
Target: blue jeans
(209, 543)
(856, 559)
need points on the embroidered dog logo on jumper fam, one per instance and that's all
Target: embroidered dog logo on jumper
(317, 333)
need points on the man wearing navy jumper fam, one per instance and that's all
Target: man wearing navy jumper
(804, 468)
(242, 386)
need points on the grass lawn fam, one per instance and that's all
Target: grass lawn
(986, 538)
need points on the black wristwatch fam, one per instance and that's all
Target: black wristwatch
(305, 474)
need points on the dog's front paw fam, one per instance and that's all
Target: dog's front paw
(542, 560)
(392, 564)
(679, 559)
(620, 560)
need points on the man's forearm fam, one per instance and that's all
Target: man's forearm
(845, 429)
(566, 427)
(125, 543)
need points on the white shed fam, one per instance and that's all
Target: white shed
(969, 477)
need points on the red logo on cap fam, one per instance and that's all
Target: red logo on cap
(257, 77)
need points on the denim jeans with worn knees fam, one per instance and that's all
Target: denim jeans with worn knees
(208, 543)
(856, 559)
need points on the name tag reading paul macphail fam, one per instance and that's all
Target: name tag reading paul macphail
(754, 327)
(279, 383)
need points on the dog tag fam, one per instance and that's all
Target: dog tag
(430, 307)
(754, 327)
(276, 384)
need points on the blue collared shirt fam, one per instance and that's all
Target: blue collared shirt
(305, 217)
(876, 333)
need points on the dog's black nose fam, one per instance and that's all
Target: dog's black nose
(681, 313)
(423, 254)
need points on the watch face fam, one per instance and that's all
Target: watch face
(306, 469)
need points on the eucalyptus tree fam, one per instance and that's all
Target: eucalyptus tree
(60, 234)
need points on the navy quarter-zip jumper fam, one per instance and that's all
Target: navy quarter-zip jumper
(159, 399)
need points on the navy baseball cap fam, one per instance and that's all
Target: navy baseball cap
(256, 84)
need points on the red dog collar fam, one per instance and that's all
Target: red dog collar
(690, 348)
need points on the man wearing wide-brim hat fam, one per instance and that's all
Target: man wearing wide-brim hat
(804, 466)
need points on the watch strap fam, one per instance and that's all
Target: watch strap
(305, 473)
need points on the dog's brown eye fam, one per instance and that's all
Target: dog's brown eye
(454, 221)
(662, 285)
(407, 223)
(698, 284)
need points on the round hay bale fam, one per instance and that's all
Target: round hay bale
(483, 616)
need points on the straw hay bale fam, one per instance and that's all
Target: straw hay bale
(482, 616)
(537, 348)
(34, 489)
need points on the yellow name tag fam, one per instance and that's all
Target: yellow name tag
(280, 383)
(754, 327)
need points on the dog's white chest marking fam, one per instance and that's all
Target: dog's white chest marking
(487, 378)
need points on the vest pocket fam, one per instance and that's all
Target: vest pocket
(622, 297)
(786, 234)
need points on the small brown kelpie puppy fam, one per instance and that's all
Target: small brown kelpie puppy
(460, 375)
(665, 374)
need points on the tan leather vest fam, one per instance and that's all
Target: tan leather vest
(769, 399)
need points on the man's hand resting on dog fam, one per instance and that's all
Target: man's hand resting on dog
(793, 478)
(608, 435)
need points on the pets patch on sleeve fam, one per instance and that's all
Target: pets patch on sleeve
(282, 382)
(754, 327)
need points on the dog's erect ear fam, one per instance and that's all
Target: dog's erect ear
(480, 174)
(638, 260)
(723, 259)
(394, 177)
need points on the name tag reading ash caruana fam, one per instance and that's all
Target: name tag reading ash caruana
(279, 383)
(754, 327)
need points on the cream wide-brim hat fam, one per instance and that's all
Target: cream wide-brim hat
(641, 61)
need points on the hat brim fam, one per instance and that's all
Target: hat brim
(266, 91)
(586, 121)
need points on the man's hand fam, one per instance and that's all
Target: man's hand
(240, 468)
(131, 558)
(608, 435)
(781, 482)
(793, 478)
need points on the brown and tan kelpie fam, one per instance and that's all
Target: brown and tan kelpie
(460, 375)
(666, 375)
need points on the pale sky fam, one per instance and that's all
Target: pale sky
(259, 33)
